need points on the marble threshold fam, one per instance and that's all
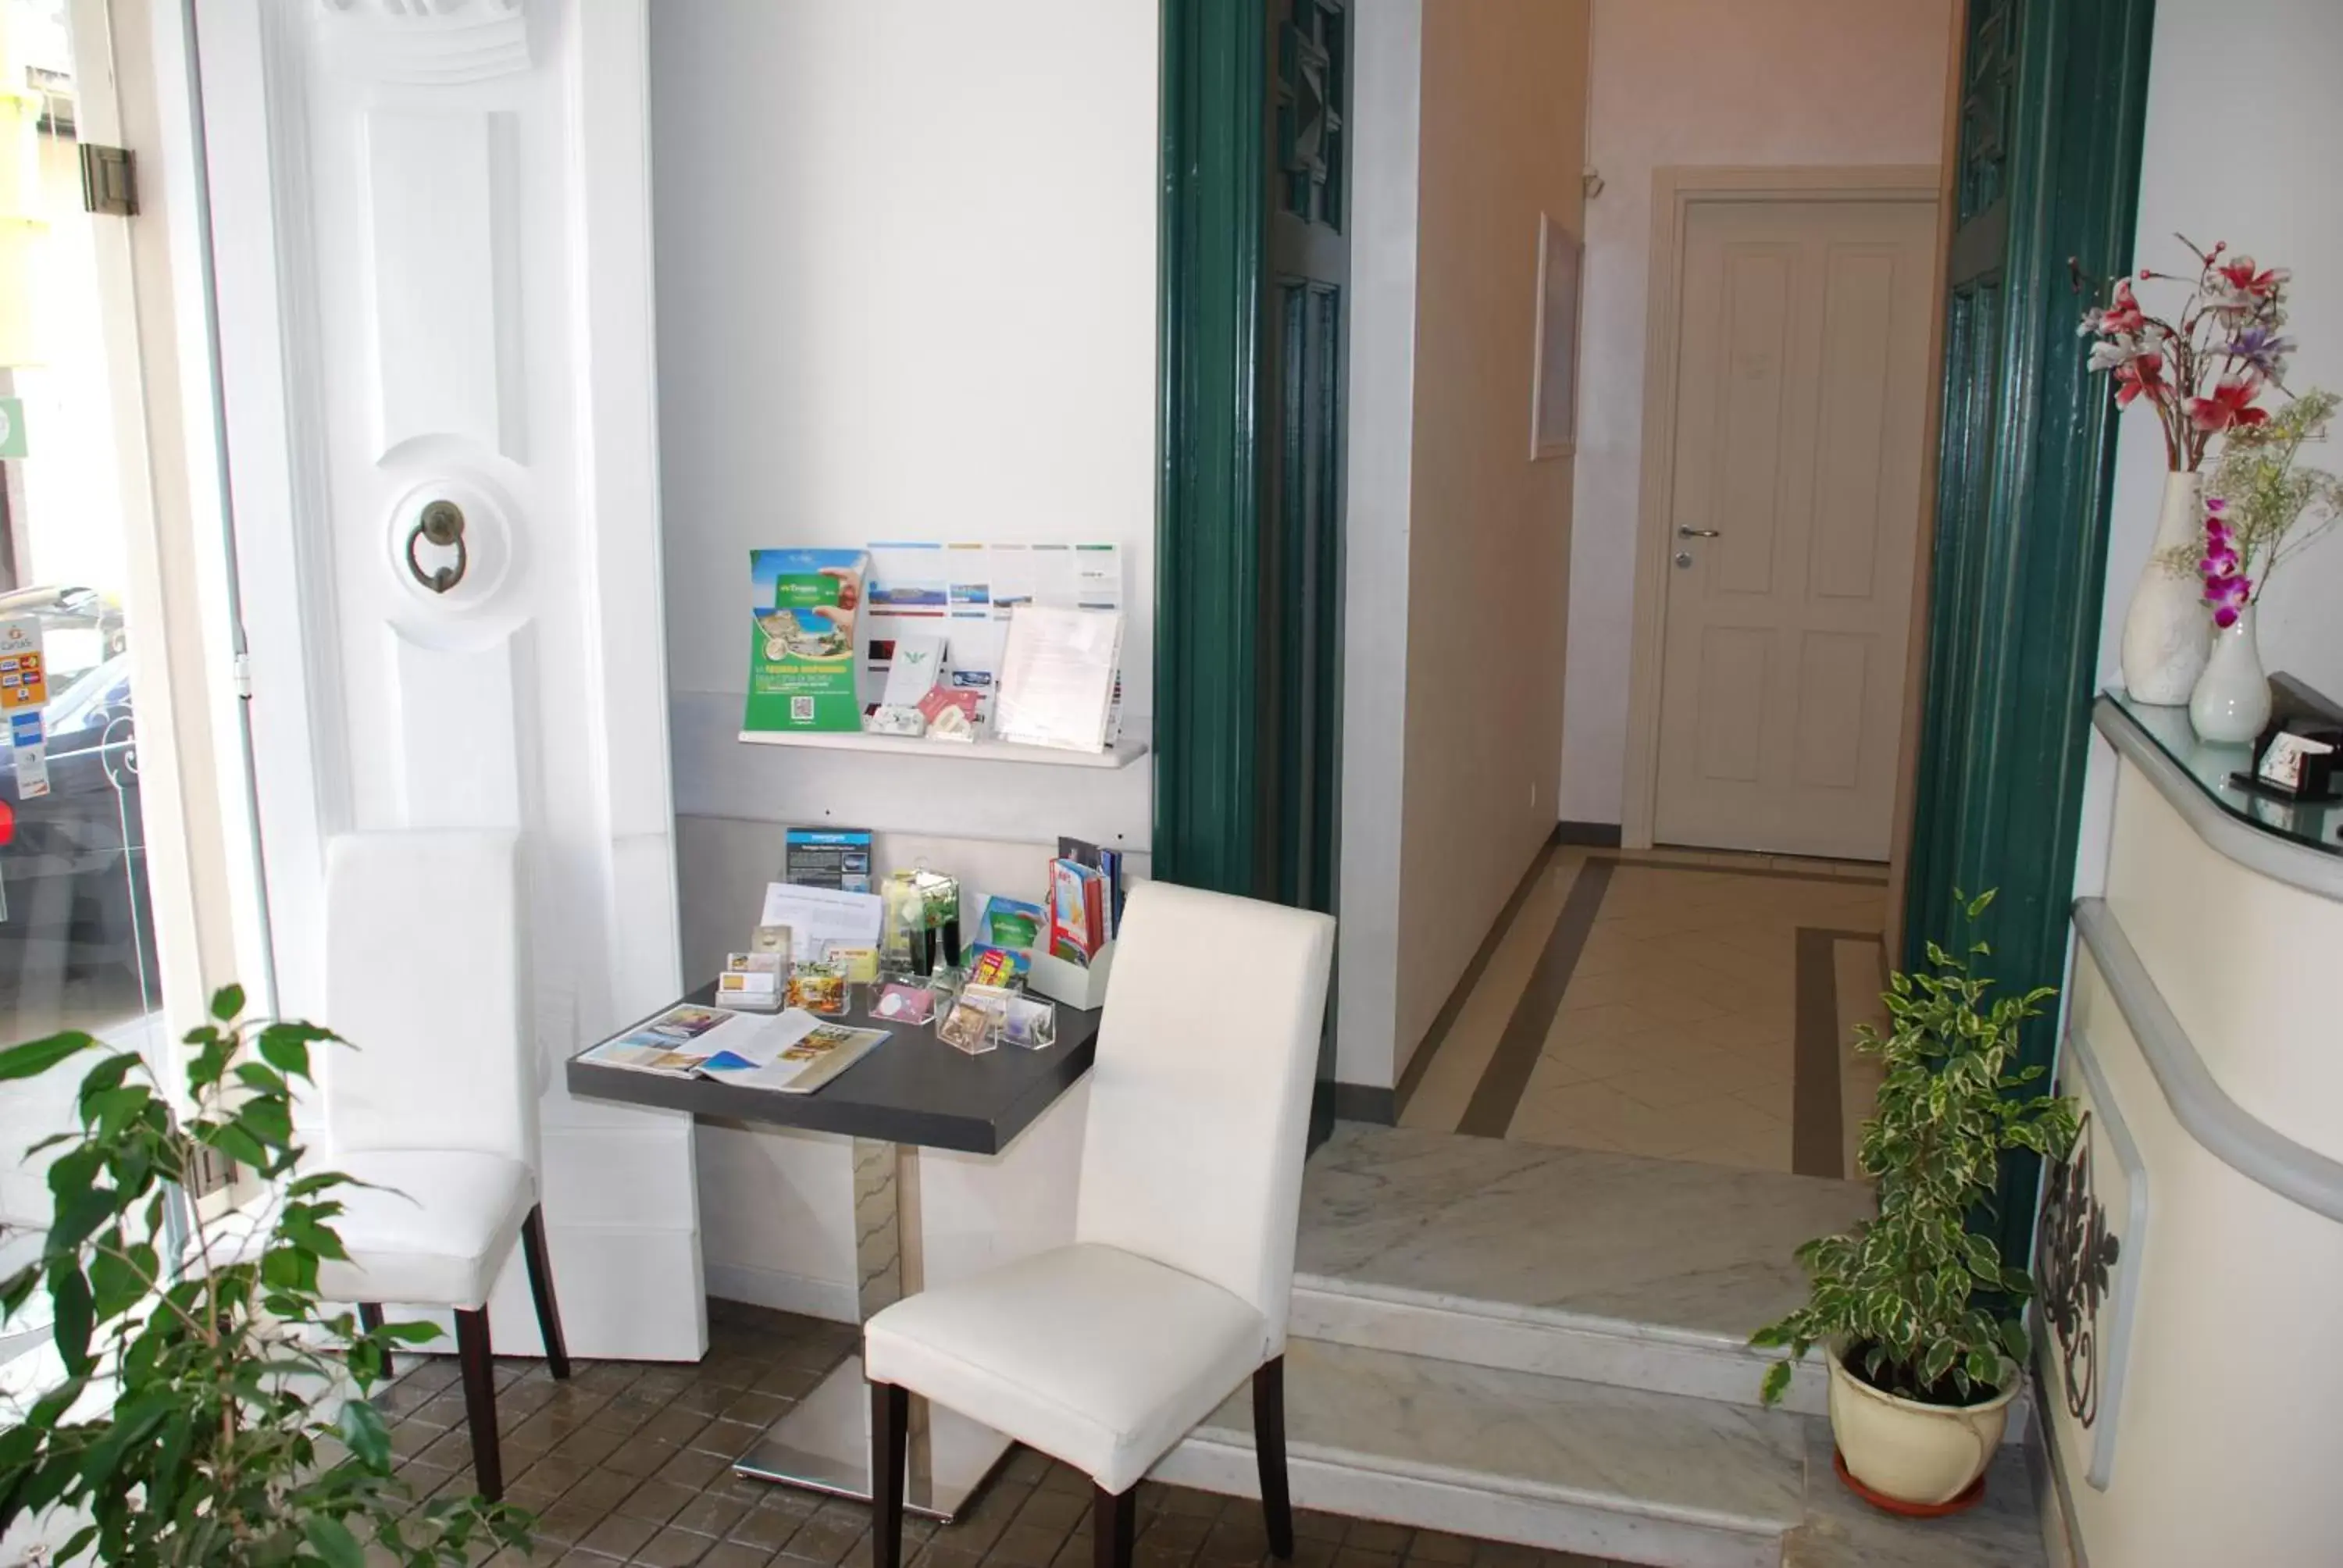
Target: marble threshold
(1566, 1465)
(1496, 1227)
(1640, 1274)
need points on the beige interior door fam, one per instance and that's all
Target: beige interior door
(1802, 362)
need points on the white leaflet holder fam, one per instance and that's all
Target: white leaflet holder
(1074, 985)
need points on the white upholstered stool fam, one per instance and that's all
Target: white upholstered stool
(437, 1107)
(1104, 1354)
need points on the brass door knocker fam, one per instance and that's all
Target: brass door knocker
(441, 524)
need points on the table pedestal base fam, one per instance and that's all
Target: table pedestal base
(823, 1444)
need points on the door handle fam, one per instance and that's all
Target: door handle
(1685, 533)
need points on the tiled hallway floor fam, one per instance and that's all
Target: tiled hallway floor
(631, 1462)
(1681, 1005)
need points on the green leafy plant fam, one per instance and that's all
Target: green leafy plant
(1899, 1295)
(214, 1413)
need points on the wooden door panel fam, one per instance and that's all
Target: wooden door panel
(1801, 379)
(1732, 697)
(1746, 464)
(1852, 450)
(1833, 671)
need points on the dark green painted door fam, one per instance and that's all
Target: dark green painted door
(1255, 265)
(2053, 93)
(1302, 449)
(1303, 344)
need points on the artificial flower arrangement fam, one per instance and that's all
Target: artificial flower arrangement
(2205, 373)
(2262, 507)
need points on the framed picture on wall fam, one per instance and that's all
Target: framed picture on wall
(1554, 389)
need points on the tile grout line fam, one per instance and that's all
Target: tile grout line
(1499, 1094)
(1817, 1116)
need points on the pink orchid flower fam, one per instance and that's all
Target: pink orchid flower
(2230, 404)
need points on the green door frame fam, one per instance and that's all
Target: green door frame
(2047, 181)
(1208, 519)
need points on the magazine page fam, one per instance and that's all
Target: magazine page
(815, 1057)
(676, 1042)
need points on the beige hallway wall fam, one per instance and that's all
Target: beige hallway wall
(1502, 140)
(1702, 82)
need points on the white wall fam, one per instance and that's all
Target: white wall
(2268, 64)
(1468, 121)
(1386, 92)
(1700, 83)
(906, 290)
(906, 260)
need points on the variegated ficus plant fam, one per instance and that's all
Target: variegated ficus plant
(211, 1408)
(1918, 1304)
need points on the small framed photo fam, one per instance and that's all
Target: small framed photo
(1553, 384)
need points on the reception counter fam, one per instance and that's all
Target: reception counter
(2190, 1249)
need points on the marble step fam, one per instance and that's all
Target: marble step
(1653, 1357)
(1551, 1462)
(1568, 1262)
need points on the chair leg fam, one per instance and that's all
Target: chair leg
(370, 1320)
(1114, 1526)
(1269, 1449)
(480, 1400)
(890, 1433)
(540, 1288)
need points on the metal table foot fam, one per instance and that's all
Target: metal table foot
(823, 1444)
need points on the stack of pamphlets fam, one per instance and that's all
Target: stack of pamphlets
(1078, 911)
(793, 1053)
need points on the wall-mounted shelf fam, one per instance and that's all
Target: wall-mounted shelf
(1123, 754)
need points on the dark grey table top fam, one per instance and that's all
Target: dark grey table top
(912, 1088)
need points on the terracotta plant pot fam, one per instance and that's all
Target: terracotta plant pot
(1915, 1453)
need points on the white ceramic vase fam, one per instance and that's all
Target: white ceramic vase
(2232, 700)
(1915, 1453)
(2168, 633)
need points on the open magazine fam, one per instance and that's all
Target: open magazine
(793, 1052)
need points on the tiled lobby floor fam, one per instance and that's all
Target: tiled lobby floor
(1668, 1004)
(629, 1462)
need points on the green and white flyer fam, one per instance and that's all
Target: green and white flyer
(801, 646)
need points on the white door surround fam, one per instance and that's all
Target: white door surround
(1676, 193)
(432, 239)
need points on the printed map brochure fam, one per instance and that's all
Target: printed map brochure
(802, 639)
(792, 1053)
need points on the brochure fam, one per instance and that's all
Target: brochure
(820, 918)
(965, 593)
(801, 644)
(792, 1053)
(1057, 678)
(834, 857)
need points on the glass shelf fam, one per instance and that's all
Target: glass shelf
(2313, 825)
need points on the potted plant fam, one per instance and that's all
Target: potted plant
(215, 1413)
(2263, 507)
(2202, 372)
(1920, 1318)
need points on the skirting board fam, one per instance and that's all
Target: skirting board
(1366, 1103)
(1595, 835)
(2059, 1547)
(783, 1291)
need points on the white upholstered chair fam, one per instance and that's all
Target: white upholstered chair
(437, 1107)
(1104, 1354)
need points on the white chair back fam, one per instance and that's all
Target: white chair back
(422, 978)
(1200, 1100)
